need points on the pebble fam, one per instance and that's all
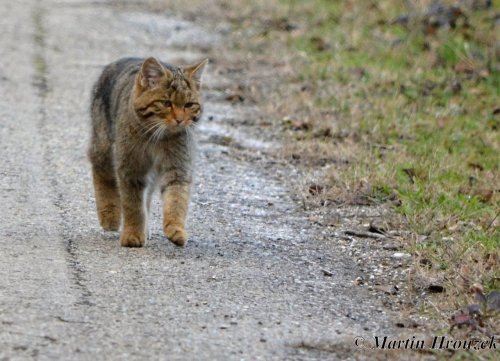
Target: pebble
(401, 255)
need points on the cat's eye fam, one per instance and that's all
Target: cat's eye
(189, 105)
(168, 103)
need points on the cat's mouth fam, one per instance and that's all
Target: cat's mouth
(179, 124)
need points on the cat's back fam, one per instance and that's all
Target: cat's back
(113, 88)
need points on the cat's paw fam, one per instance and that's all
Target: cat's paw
(111, 224)
(109, 218)
(176, 234)
(132, 239)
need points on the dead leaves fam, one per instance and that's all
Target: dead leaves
(308, 129)
(485, 195)
(453, 53)
(315, 189)
(235, 98)
(471, 67)
(436, 17)
(439, 16)
(476, 316)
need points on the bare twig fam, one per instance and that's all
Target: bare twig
(493, 220)
(365, 235)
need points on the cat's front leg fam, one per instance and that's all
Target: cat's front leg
(175, 207)
(133, 210)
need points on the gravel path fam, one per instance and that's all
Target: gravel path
(255, 281)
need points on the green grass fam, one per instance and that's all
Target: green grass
(428, 100)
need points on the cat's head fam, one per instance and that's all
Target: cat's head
(168, 99)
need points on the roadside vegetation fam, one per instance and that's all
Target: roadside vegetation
(402, 100)
(413, 94)
(398, 102)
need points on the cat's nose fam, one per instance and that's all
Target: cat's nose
(179, 121)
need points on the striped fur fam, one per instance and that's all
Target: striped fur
(143, 112)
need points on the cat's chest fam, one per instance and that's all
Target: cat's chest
(165, 156)
(170, 154)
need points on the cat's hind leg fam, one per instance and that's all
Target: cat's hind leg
(107, 195)
(107, 201)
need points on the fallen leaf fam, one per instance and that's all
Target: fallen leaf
(323, 133)
(464, 66)
(484, 195)
(235, 98)
(475, 166)
(430, 28)
(461, 318)
(315, 189)
(301, 125)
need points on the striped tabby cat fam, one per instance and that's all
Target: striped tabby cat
(143, 113)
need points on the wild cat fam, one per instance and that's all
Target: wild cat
(143, 115)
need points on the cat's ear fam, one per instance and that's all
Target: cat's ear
(151, 73)
(195, 71)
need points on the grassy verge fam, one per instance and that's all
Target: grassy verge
(403, 101)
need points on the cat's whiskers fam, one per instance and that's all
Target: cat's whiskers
(158, 134)
(151, 128)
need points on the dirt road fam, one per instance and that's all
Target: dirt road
(255, 282)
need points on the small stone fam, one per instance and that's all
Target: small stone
(327, 273)
(390, 290)
(391, 247)
(401, 255)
